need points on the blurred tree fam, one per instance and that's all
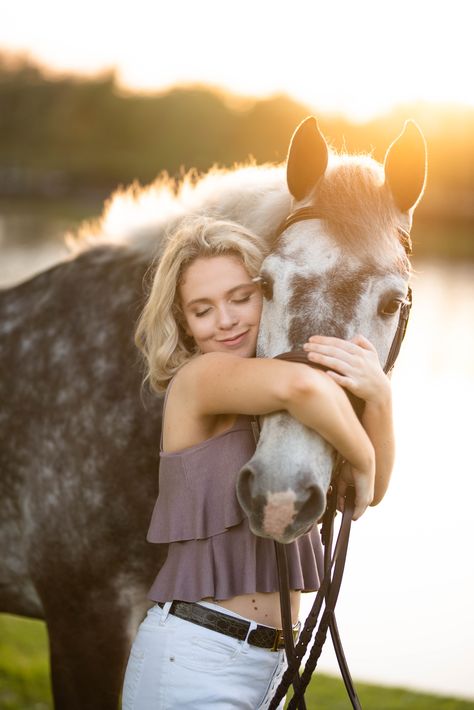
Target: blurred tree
(65, 135)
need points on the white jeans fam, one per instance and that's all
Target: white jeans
(177, 664)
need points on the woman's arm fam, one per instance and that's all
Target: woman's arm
(378, 423)
(355, 365)
(217, 383)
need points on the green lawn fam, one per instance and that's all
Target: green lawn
(24, 680)
(24, 665)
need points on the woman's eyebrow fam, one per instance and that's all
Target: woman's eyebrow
(247, 284)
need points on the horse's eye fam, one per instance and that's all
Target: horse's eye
(266, 284)
(389, 308)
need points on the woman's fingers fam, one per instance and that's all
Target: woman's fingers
(338, 358)
(341, 494)
(344, 350)
(353, 345)
(364, 489)
(326, 341)
(334, 363)
(362, 342)
(351, 364)
(364, 497)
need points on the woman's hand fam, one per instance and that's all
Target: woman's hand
(353, 364)
(362, 481)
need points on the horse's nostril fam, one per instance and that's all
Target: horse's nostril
(244, 487)
(313, 507)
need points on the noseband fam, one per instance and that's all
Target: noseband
(333, 563)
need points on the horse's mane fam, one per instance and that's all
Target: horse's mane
(351, 198)
(141, 217)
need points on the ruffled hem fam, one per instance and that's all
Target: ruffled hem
(236, 562)
(194, 503)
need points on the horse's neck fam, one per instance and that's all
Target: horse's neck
(256, 197)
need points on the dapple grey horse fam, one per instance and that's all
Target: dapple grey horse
(79, 436)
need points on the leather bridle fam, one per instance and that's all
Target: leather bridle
(333, 562)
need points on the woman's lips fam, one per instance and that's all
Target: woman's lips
(235, 340)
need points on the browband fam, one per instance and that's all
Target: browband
(312, 213)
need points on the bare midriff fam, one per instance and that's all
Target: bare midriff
(264, 608)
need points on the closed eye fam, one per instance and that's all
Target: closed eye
(200, 314)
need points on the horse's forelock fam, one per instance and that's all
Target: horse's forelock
(359, 210)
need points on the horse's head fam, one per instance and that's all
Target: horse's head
(342, 271)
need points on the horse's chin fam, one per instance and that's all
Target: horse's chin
(289, 534)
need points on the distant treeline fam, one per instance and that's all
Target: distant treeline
(67, 136)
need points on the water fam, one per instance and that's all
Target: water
(21, 230)
(406, 606)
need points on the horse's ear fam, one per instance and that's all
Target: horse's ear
(405, 166)
(307, 158)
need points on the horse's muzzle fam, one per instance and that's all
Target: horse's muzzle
(281, 515)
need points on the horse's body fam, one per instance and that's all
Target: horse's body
(79, 439)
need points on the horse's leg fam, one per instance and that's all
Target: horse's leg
(89, 645)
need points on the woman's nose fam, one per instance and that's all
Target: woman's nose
(227, 317)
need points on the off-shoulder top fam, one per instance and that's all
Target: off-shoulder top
(211, 549)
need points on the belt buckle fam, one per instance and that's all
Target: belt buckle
(279, 641)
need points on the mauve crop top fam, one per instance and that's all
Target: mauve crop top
(211, 549)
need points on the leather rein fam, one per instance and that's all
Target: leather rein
(333, 561)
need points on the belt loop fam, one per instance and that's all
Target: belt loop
(252, 626)
(164, 612)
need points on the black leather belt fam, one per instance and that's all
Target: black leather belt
(262, 636)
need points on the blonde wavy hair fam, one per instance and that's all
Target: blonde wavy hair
(160, 333)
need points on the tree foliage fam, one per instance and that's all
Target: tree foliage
(65, 135)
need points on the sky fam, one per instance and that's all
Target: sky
(356, 58)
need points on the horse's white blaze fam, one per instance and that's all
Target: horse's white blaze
(283, 446)
(318, 245)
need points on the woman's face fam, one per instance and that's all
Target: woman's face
(221, 305)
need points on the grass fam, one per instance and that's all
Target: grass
(328, 693)
(24, 665)
(24, 679)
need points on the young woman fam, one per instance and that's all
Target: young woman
(210, 638)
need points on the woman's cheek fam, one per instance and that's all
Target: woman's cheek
(257, 310)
